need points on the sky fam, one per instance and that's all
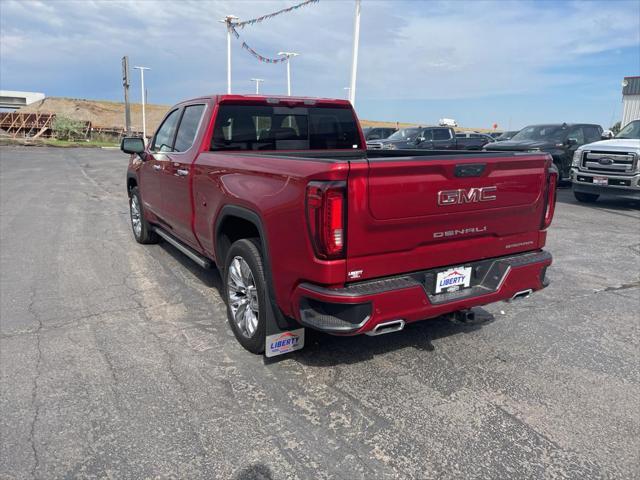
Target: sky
(479, 62)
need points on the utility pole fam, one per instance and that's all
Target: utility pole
(354, 59)
(257, 80)
(125, 84)
(227, 21)
(288, 55)
(348, 89)
(143, 92)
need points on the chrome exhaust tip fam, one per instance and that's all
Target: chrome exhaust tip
(386, 327)
(522, 294)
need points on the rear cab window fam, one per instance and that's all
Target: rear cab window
(265, 127)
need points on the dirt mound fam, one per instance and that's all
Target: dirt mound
(110, 115)
(101, 113)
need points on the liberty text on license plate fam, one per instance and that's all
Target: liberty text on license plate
(453, 279)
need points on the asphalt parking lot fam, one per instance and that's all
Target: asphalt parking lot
(116, 360)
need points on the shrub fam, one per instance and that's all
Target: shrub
(65, 128)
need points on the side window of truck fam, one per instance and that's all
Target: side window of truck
(441, 134)
(163, 141)
(578, 134)
(188, 127)
(592, 134)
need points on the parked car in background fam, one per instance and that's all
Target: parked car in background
(427, 138)
(609, 167)
(378, 133)
(447, 122)
(482, 137)
(506, 135)
(560, 140)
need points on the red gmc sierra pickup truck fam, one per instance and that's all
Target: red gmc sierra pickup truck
(309, 228)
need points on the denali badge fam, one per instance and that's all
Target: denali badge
(460, 231)
(471, 195)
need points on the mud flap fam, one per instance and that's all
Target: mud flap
(279, 341)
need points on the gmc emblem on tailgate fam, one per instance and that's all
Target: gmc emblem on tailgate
(471, 195)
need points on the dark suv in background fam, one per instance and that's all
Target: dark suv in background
(378, 133)
(560, 140)
(508, 135)
(428, 138)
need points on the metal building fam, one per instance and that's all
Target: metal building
(10, 99)
(630, 99)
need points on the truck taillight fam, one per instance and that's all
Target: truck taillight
(326, 218)
(550, 207)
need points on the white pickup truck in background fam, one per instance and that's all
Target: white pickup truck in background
(447, 122)
(608, 167)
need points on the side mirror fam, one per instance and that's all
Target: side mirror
(608, 135)
(420, 139)
(132, 145)
(572, 141)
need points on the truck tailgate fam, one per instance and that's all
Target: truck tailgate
(413, 213)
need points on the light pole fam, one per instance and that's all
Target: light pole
(354, 59)
(348, 89)
(144, 120)
(288, 55)
(257, 80)
(227, 21)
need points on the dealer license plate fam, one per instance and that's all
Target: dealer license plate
(453, 279)
(600, 181)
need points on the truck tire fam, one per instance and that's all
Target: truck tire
(586, 197)
(246, 294)
(141, 229)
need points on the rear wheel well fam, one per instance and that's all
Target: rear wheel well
(231, 230)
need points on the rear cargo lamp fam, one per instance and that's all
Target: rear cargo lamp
(550, 207)
(326, 218)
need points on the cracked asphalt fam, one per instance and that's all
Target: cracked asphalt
(116, 360)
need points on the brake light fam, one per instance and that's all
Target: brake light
(326, 218)
(550, 207)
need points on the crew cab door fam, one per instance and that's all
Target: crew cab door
(424, 140)
(443, 139)
(175, 182)
(575, 139)
(155, 163)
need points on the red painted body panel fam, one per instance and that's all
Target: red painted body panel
(412, 304)
(273, 188)
(395, 224)
(392, 218)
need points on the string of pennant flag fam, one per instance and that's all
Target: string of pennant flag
(234, 26)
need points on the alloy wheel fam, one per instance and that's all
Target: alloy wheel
(242, 297)
(136, 218)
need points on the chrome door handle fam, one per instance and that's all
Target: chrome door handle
(157, 167)
(182, 173)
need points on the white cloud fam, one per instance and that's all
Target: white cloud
(483, 48)
(408, 49)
